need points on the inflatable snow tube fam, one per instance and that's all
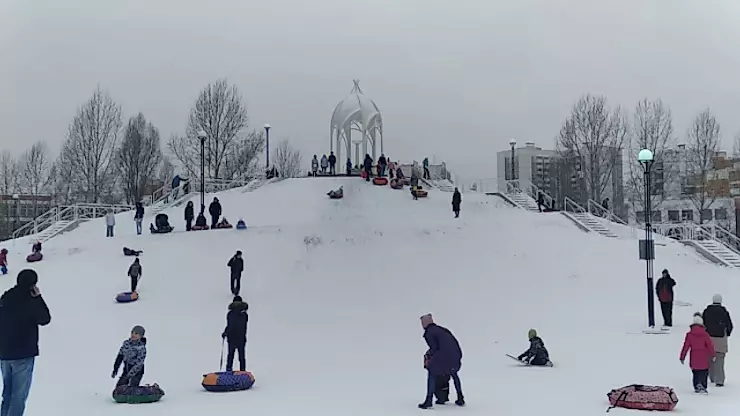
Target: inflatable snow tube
(642, 397)
(224, 226)
(199, 228)
(241, 225)
(380, 181)
(32, 258)
(228, 381)
(396, 184)
(336, 195)
(136, 395)
(419, 193)
(126, 297)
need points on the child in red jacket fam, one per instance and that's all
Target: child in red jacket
(4, 261)
(702, 353)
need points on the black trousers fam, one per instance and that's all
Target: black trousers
(236, 283)
(134, 283)
(666, 308)
(235, 347)
(214, 220)
(134, 381)
(188, 225)
(700, 378)
(442, 388)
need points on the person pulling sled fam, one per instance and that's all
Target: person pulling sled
(536, 354)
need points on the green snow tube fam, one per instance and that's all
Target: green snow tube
(137, 395)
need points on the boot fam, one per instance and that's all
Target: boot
(460, 401)
(426, 405)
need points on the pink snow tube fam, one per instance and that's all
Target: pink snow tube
(37, 256)
(642, 397)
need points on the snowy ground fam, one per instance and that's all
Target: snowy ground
(335, 291)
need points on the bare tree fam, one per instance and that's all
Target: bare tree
(35, 166)
(138, 157)
(287, 160)
(703, 144)
(91, 144)
(593, 134)
(60, 182)
(652, 128)
(166, 170)
(221, 114)
(9, 174)
(243, 162)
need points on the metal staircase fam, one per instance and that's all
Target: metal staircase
(166, 197)
(64, 218)
(585, 220)
(520, 197)
(715, 243)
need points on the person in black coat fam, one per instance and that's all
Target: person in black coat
(456, 201)
(236, 333)
(215, 210)
(719, 326)
(664, 290)
(189, 216)
(22, 311)
(236, 264)
(445, 358)
(332, 164)
(368, 166)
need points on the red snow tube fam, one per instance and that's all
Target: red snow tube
(32, 258)
(642, 397)
(380, 181)
(198, 228)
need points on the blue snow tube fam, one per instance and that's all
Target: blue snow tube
(241, 225)
(125, 297)
(228, 381)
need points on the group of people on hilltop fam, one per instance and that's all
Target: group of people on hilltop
(327, 165)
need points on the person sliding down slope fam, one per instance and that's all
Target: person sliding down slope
(536, 354)
(135, 272)
(132, 354)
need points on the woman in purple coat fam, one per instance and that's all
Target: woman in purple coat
(445, 358)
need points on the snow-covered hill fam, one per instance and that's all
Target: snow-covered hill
(336, 289)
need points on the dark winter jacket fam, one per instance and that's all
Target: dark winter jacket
(236, 323)
(445, 354)
(368, 164)
(536, 353)
(135, 270)
(132, 354)
(139, 211)
(349, 165)
(20, 317)
(456, 200)
(189, 214)
(382, 161)
(399, 173)
(215, 209)
(332, 160)
(664, 288)
(717, 321)
(129, 252)
(236, 264)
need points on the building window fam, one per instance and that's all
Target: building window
(687, 215)
(706, 215)
(657, 217)
(720, 214)
(640, 216)
(673, 215)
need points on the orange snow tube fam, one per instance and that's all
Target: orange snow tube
(419, 193)
(380, 181)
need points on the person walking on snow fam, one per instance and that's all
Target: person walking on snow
(540, 200)
(134, 272)
(456, 201)
(110, 223)
(425, 164)
(4, 261)
(139, 217)
(702, 353)
(324, 164)
(22, 311)
(664, 290)
(189, 216)
(445, 357)
(132, 355)
(236, 333)
(314, 165)
(718, 324)
(332, 164)
(236, 264)
(215, 210)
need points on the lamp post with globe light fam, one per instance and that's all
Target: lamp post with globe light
(267, 147)
(647, 246)
(202, 135)
(512, 143)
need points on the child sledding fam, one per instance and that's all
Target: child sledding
(129, 252)
(536, 354)
(336, 194)
(162, 223)
(132, 355)
(223, 224)
(35, 253)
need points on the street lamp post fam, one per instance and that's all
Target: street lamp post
(512, 143)
(267, 147)
(647, 246)
(202, 135)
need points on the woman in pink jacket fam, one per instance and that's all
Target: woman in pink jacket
(702, 353)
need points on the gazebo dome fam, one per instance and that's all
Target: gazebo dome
(360, 113)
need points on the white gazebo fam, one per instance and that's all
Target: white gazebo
(359, 113)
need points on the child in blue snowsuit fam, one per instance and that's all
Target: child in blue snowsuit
(132, 355)
(536, 354)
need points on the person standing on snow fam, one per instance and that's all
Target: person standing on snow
(189, 216)
(664, 290)
(349, 167)
(236, 333)
(314, 165)
(382, 164)
(324, 164)
(702, 353)
(445, 357)
(425, 164)
(132, 355)
(456, 201)
(22, 311)
(236, 264)
(110, 223)
(718, 324)
(332, 164)
(134, 272)
(215, 210)
(368, 165)
(139, 217)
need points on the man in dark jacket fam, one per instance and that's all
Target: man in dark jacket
(445, 358)
(718, 324)
(189, 216)
(215, 210)
(236, 333)
(664, 290)
(139, 217)
(236, 264)
(332, 164)
(22, 311)
(368, 166)
(134, 272)
(456, 201)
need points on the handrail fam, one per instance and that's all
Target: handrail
(35, 223)
(603, 212)
(577, 209)
(731, 241)
(536, 191)
(513, 186)
(74, 212)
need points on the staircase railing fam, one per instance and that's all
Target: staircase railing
(570, 205)
(683, 232)
(77, 212)
(535, 191)
(723, 236)
(513, 186)
(38, 224)
(596, 209)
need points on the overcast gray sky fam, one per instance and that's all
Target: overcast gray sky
(453, 79)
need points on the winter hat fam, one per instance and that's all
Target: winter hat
(237, 298)
(138, 329)
(238, 252)
(717, 299)
(698, 320)
(426, 320)
(27, 278)
(532, 333)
